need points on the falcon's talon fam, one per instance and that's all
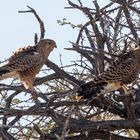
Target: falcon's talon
(34, 94)
(130, 94)
(35, 97)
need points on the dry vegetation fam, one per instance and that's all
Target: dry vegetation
(109, 31)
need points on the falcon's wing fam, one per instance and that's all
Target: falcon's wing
(23, 59)
(123, 73)
(119, 72)
(23, 51)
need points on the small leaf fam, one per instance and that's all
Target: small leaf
(16, 101)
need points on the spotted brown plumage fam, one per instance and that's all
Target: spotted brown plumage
(122, 72)
(27, 62)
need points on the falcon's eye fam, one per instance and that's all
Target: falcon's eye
(49, 43)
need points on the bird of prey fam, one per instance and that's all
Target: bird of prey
(118, 75)
(27, 62)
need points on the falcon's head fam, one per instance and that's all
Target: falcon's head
(46, 46)
(136, 54)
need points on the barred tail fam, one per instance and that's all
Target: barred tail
(5, 72)
(90, 90)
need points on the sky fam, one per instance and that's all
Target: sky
(17, 30)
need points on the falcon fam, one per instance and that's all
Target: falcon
(118, 75)
(26, 63)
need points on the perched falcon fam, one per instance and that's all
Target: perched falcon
(27, 62)
(122, 72)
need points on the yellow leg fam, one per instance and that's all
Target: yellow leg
(34, 94)
(78, 98)
(29, 85)
(126, 89)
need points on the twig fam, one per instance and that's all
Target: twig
(42, 27)
(6, 135)
(64, 132)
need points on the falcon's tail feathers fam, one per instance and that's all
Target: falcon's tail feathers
(90, 90)
(5, 73)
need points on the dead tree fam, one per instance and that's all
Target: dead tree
(108, 32)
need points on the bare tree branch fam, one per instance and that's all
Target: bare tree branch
(42, 28)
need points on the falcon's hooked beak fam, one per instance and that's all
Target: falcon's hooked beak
(55, 46)
(53, 43)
